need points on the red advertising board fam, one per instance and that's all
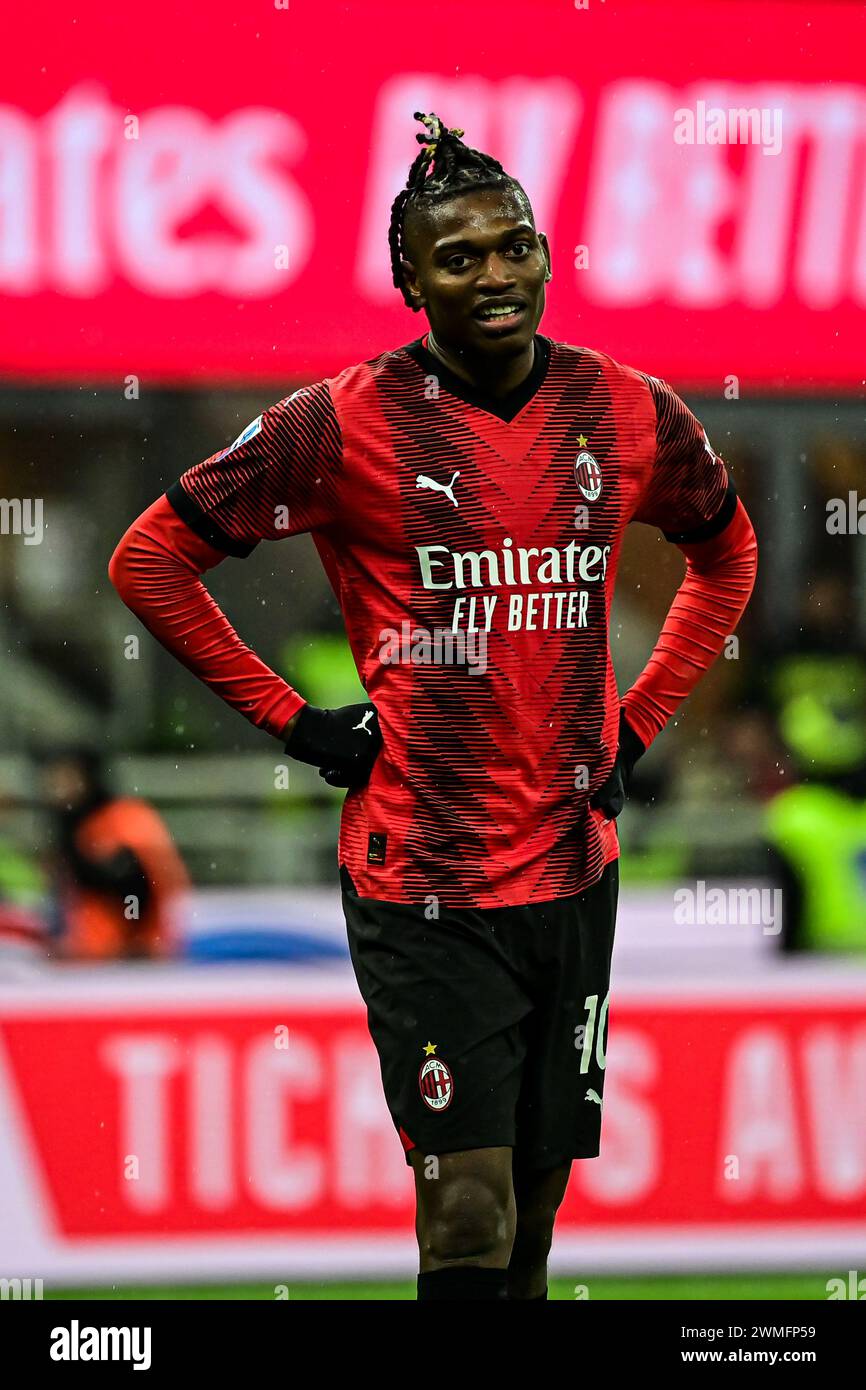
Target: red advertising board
(203, 195)
(239, 1120)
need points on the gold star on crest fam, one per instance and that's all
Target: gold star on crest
(581, 441)
(429, 1048)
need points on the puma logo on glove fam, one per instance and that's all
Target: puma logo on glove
(342, 743)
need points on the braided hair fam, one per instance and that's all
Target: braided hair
(444, 169)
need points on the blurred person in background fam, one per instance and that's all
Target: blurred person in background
(23, 927)
(816, 828)
(117, 872)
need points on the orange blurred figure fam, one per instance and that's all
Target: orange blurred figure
(118, 873)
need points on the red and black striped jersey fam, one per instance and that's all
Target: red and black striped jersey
(472, 545)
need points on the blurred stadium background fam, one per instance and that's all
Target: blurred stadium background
(193, 221)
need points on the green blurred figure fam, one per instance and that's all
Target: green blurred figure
(817, 828)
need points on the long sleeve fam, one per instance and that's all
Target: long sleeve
(156, 570)
(719, 578)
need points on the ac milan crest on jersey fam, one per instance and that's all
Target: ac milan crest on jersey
(588, 476)
(436, 1083)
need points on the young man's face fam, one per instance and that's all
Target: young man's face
(477, 267)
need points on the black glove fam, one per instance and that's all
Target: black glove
(341, 743)
(610, 797)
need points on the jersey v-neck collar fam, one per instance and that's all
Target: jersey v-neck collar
(505, 408)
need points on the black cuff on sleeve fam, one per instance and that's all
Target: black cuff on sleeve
(630, 745)
(711, 528)
(199, 521)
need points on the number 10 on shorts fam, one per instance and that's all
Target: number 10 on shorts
(587, 1033)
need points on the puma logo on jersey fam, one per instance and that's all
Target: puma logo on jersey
(363, 723)
(423, 481)
(593, 1095)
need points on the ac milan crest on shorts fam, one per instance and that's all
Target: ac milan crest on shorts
(436, 1083)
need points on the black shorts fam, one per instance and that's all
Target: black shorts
(491, 1025)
